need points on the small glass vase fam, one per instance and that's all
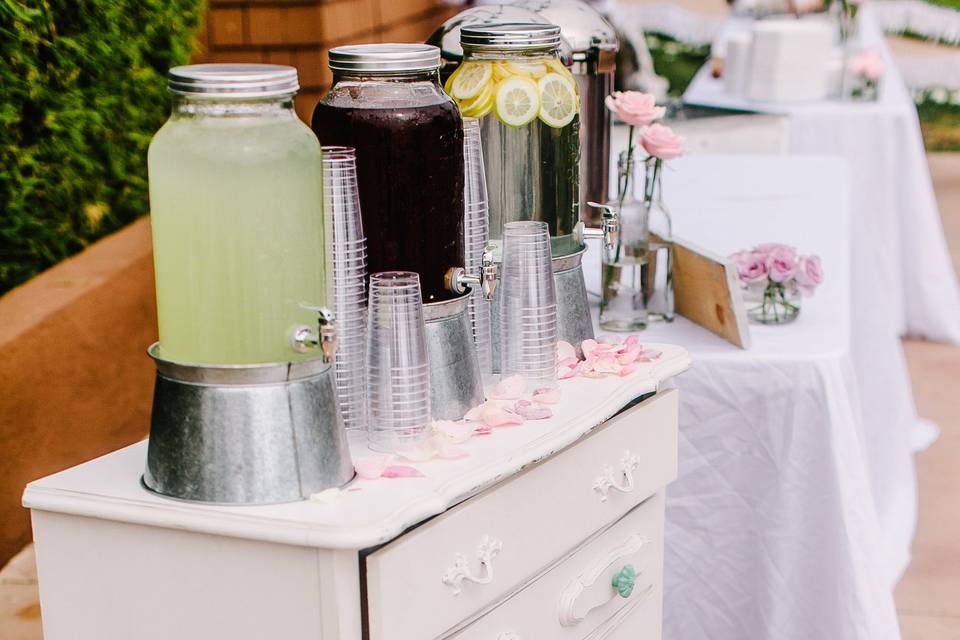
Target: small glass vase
(864, 89)
(624, 258)
(772, 302)
(658, 277)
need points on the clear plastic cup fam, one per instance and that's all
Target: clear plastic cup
(348, 264)
(476, 235)
(528, 312)
(398, 371)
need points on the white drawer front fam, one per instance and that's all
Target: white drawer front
(577, 600)
(430, 580)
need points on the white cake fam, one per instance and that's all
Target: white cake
(789, 61)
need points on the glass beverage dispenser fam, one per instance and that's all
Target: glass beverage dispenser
(387, 103)
(238, 231)
(244, 407)
(528, 104)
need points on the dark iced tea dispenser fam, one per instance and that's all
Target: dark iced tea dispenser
(387, 103)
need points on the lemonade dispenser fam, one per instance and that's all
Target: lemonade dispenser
(244, 408)
(528, 104)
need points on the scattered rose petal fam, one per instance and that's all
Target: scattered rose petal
(447, 450)
(593, 374)
(648, 355)
(546, 395)
(607, 364)
(567, 372)
(568, 362)
(509, 388)
(532, 411)
(628, 357)
(483, 430)
(631, 341)
(627, 370)
(453, 432)
(420, 453)
(495, 416)
(587, 346)
(329, 496)
(475, 414)
(565, 350)
(401, 471)
(371, 467)
(604, 349)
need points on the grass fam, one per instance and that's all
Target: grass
(940, 124)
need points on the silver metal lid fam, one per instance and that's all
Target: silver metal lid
(582, 26)
(513, 36)
(447, 36)
(234, 80)
(385, 58)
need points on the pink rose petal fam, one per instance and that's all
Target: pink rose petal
(568, 362)
(371, 467)
(648, 355)
(509, 388)
(627, 370)
(607, 364)
(475, 414)
(564, 373)
(565, 350)
(401, 471)
(631, 341)
(420, 453)
(628, 357)
(587, 346)
(495, 416)
(546, 395)
(483, 430)
(453, 432)
(446, 450)
(531, 411)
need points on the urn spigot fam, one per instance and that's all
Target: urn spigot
(610, 227)
(458, 280)
(306, 339)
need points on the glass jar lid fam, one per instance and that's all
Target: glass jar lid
(233, 80)
(510, 36)
(385, 58)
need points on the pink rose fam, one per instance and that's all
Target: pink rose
(867, 64)
(781, 263)
(634, 107)
(661, 142)
(751, 266)
(809, 274)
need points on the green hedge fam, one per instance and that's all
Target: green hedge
(82, 90)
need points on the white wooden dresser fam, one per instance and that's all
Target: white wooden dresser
(551, 530)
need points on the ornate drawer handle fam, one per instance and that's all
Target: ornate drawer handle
(454, 576)
(590, 590)
(621, 479)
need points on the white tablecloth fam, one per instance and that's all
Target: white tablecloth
(901, 270)
(795, 504)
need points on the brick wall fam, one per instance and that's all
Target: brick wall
(299, 32)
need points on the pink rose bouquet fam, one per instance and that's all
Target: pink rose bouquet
(775, 276)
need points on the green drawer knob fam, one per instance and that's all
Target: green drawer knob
(624, 580)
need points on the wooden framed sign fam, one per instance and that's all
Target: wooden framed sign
(707, 292)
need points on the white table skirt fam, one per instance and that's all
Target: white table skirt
(901, 270)
(795, 504)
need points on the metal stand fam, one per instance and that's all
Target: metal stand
(456, 385)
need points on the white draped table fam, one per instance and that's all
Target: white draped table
(795, 504)
(898, 241)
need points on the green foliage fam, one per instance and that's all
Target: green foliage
(676, 61)
(82, 89)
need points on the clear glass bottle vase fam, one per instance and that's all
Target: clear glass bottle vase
(658, 277)
(624, 259)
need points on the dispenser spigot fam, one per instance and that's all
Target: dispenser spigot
(306, 339)
(610, 227)
(458, 280)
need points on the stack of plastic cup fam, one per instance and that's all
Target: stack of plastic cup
(348, 258)
(528, 311)
(476, 235)
(398, 370)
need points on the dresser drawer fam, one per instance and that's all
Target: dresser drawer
(429, 581)
(577, 600)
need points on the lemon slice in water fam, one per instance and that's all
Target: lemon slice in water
(470, 80)
(479, 106)
(517, 101)
(531, 69)
(558, 100)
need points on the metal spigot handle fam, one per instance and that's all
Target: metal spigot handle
(457, 280)
(610, 225)
(305, 339)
